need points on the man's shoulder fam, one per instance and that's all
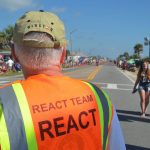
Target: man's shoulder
(81, 82)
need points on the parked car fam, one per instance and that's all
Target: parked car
(131, 65)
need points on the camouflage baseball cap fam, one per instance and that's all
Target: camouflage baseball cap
(40, 21)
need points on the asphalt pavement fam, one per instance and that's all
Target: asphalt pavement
(119, 84)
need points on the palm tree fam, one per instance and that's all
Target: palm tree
(126, 55)
(2, 34)
(2, 40)
(120, 56)
(138, 48)
(6, 37)
(134, 56)
(9, 33)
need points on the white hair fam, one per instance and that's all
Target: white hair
(37, 58)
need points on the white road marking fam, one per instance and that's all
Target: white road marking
(127, 76)
(113, 83)
(2, 82)
(112, 86)
(117, 89)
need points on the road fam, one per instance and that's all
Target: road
(118, 85)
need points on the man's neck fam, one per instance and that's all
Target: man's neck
(51, 71)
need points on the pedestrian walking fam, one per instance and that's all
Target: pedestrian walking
(49, 111)
(142, 84)
(10, 63)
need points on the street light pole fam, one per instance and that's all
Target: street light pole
(70, 42)
(149, 47)
(71, 38)
(71, 45)
(147, 42)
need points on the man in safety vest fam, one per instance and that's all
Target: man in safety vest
(49, 111)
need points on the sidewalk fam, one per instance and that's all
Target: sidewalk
(133, 75)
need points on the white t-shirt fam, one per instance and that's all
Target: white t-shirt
(10, 63)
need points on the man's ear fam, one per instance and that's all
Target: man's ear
(63, 56)
(14, 54)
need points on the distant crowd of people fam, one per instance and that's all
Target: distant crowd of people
(7, 64)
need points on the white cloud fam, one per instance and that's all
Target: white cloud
(14, 4)
(58, 10)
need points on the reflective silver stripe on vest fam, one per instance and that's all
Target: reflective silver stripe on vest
(13, 118)
(106, 113)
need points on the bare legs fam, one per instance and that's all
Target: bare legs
(147, 94)
(142, 103)
(144, 96)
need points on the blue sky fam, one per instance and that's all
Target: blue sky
(102, 27)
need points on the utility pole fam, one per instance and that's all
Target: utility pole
(71, 42)
(147, 42)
